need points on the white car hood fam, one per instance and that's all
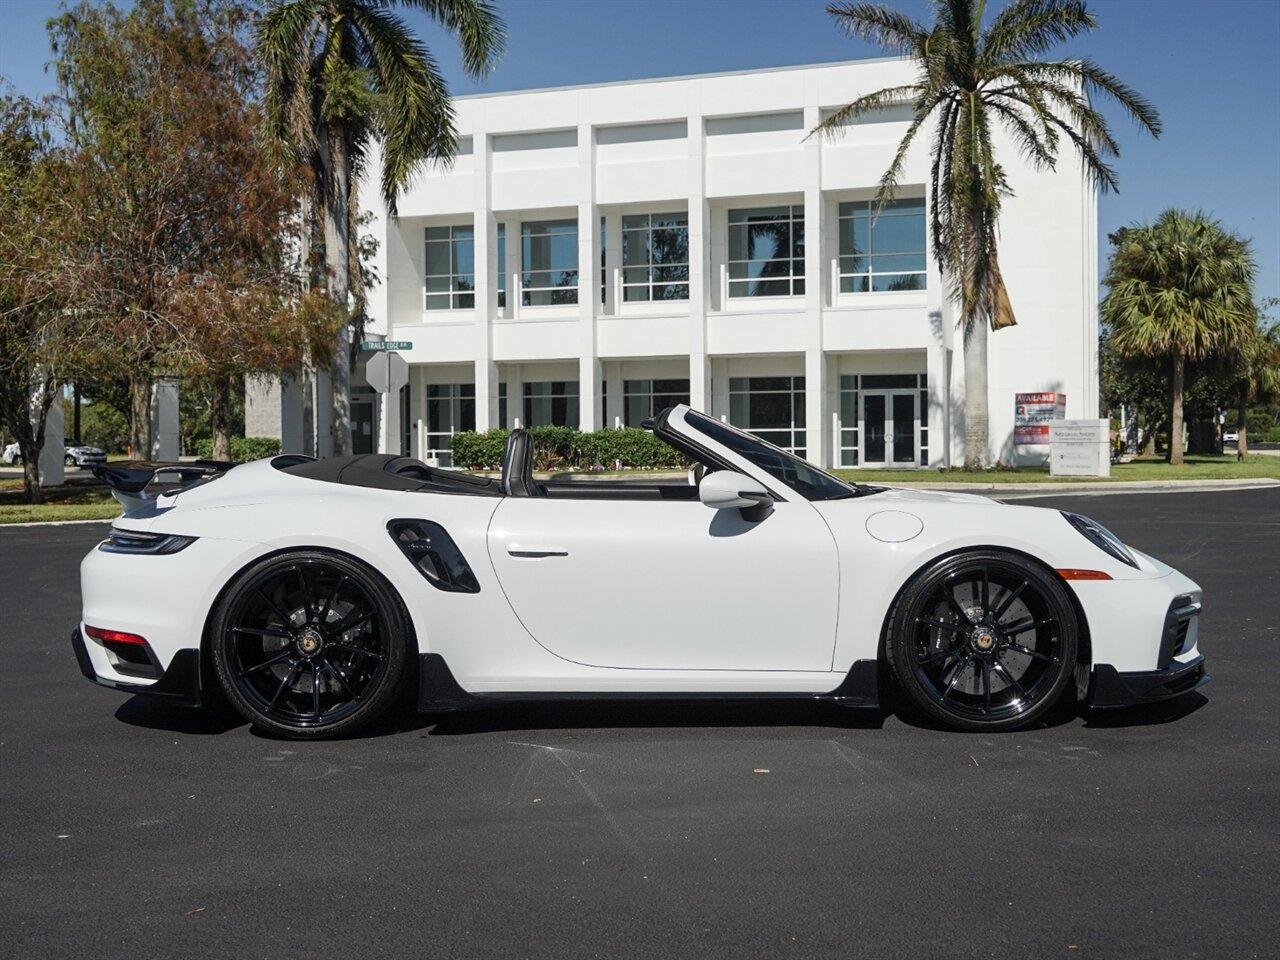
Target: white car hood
(911, 495)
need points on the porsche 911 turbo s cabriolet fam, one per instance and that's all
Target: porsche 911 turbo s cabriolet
(310, 593)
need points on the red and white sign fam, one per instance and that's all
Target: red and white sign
(1031, 415)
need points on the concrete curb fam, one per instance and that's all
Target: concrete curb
(53, 523)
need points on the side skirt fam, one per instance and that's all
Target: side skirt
(439, 691)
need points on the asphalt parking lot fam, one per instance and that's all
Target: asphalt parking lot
(134, 829)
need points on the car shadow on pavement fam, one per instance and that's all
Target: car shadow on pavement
(155, 714)
(1147, 714)
(606, 714)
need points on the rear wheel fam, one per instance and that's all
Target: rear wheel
(310, 645)
(984, 641)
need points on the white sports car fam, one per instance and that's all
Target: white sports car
(311, 593)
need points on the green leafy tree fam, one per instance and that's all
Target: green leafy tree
(38, 333)
(971, 82)
(1180, 288)
(1259, 372)
(342, 74)
(182, 263)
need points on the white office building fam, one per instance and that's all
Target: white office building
(596, 253)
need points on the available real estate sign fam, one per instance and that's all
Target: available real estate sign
(1031, 415)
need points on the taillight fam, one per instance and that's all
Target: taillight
(128, 653)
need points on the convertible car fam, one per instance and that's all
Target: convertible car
(313, 594)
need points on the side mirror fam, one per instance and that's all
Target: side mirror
(725, 490)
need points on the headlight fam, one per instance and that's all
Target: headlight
(149, 544)
(1101, 537)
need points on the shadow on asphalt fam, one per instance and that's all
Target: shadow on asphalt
(655, 714)
(1147, 714)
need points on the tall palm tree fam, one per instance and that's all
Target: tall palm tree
(341, 74)
(970, 83)
(1180, 288)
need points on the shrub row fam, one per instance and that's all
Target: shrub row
(563, 448)
(243, 449)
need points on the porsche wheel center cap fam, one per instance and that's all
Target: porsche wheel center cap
(310, 642)
(983, 640)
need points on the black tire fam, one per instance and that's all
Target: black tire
(310, 644)
(984, 641)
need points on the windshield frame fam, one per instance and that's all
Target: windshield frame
(781, 466)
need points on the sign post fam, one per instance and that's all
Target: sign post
(387, 372)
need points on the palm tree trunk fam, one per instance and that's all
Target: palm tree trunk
(220, 415)
(338, 260)
(1175, 414)
(1242, 445)
(140, 417)
(975, 395)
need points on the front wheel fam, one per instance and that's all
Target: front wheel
(69, 461)
(310, 645)
(984, 641)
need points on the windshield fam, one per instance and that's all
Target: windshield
(804, 478)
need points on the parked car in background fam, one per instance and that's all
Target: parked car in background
(77, 456)
(1231, 436)
(84, 456)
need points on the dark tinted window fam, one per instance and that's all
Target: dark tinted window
(804, 478)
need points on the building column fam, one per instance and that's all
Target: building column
(699, 266)
(613, 256)
(817, 428)
(164, 420)
(937, 417)
(588, 283)
(615, 399)
(515, 396)
(50, 464)
(485, 225)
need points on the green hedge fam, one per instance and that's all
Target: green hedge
(563, 448)
(243, 449)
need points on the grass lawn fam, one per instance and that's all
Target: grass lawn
(92, 504)
(1254, 467)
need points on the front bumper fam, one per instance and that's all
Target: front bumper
(1111, 688)
(180, 682)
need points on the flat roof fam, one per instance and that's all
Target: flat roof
(681, 77)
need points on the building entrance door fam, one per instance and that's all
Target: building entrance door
(890, 424)
(363, 439)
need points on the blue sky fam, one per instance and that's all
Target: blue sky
(1209, 65)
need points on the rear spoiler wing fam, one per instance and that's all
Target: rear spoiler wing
(134, 482)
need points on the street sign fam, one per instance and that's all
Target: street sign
(376, 345)
(387, 372)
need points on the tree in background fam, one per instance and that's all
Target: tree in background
(342, 74)
(1259, 371)
(182, 264)
(1180, 288)
(970, 82)
(35, 329)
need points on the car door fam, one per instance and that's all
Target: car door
(669, 584)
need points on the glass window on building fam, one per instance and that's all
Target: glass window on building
(502, 266)
(770, 407)
(550, 276)
(451, 408)
(655, 257)
(502, 405)
(551, 403)
(451, 268)
(643, 399)
(766, 252)
(882, 251)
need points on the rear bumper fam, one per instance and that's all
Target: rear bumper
(1110, 688)
(179, 684)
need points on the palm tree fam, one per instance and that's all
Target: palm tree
(341, 74)
(1180, 288)
(970, 82)
(1259, 380)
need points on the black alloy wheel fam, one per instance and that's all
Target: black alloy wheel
(310, 644)
(984, 641)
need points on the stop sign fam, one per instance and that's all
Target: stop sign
(387, 372)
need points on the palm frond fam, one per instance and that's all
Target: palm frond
(834, 125)
(480, 30)
(1029, 27)
(284, 39)
(1093, 79)
(880, 25)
